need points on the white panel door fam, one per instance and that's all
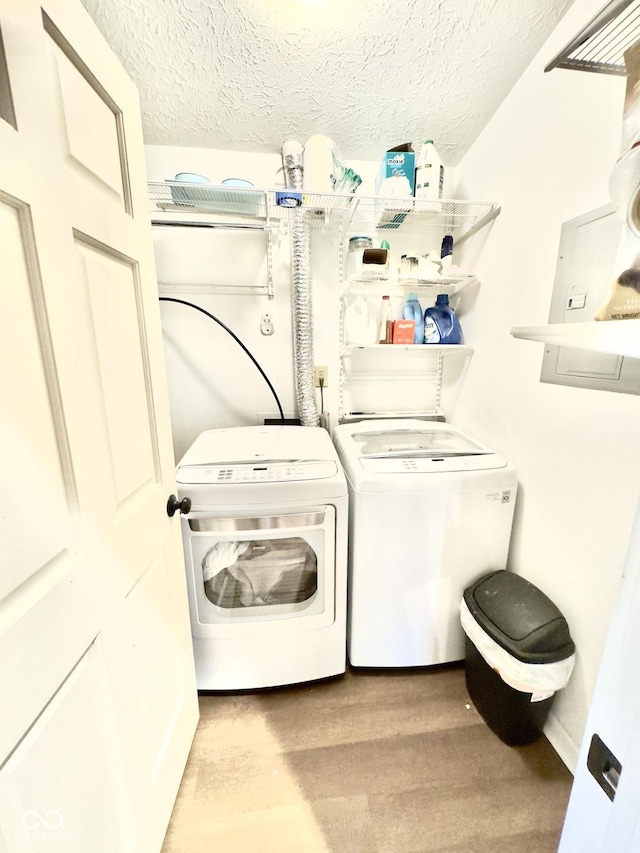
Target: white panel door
(595, 823)
(96, 671)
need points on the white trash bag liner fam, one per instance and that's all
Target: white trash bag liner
(542, 680)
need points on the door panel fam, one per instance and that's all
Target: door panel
(95, 650)
(113, 286)
(7, 112)
(593, 821)
(35, 462)
(160, 659)
(91, 132)
(79, 721)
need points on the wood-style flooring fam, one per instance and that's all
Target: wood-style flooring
(372, 762)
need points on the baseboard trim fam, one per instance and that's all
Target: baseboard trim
(562, 742)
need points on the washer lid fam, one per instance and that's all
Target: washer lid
(416, 447)
(414, 443)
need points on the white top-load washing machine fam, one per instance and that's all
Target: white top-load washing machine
(430, 510)
(265, 546)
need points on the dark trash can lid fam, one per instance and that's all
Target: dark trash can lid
(520, 618)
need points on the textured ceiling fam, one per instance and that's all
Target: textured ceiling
(249, 74)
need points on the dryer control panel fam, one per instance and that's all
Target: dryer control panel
(267, 471)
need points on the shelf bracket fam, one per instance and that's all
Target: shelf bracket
(484, 220)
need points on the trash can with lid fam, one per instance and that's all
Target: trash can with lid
(519, 653)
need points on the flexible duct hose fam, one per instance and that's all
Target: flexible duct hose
(301, 292)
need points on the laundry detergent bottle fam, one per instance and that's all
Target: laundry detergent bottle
(412, 311)
(441, 325)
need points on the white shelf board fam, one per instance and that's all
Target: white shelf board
(442, 349)
(426, 414)
(377, 284)
(178, 203)
(619, 337)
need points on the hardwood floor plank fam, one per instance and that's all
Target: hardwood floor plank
(375, 762)
(444, 758)
(528, 842)
(439, 817)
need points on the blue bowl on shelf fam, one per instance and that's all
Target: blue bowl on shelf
(234, 197)
(236, 182)
(182, 194)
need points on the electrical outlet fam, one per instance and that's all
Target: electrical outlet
(321, 373)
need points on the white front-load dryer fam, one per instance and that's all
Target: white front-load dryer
(430, 510)
(265, 546)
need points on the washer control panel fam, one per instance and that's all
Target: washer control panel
(258, 472)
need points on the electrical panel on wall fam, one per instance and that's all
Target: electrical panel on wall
(584, 273)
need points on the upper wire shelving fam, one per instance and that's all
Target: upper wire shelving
(601, 44)
(177, 203)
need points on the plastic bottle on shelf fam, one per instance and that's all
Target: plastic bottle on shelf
(429, 173)
(441, 325)
(413, 311)
(318, 164)
(360, 322)
(446, 252)
(385, 322)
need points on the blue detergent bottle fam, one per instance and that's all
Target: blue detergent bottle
(413, 311)
(441, 325)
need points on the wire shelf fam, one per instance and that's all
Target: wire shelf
(369, 377)
(179, 203)
(372, 394)
(600, 46)
(452, 216)
(421, 350)
(425, 414)
(375, 284)
(202, 203)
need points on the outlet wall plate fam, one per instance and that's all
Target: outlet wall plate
(321, 372)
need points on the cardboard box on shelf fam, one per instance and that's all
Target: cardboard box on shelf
(395, 184)
(403, 331)
(396, 176)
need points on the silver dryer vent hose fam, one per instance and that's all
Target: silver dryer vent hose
(301, 291)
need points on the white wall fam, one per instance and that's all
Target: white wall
(546, 157)
(212, 383)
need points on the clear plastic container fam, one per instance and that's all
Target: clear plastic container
(353, 261)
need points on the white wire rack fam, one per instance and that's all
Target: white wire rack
(600, 46)
(417, 216)
(381, 378)
(177, 203)
(375, 284)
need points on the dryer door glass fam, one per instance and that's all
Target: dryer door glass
(260, 572)
(255, 569)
